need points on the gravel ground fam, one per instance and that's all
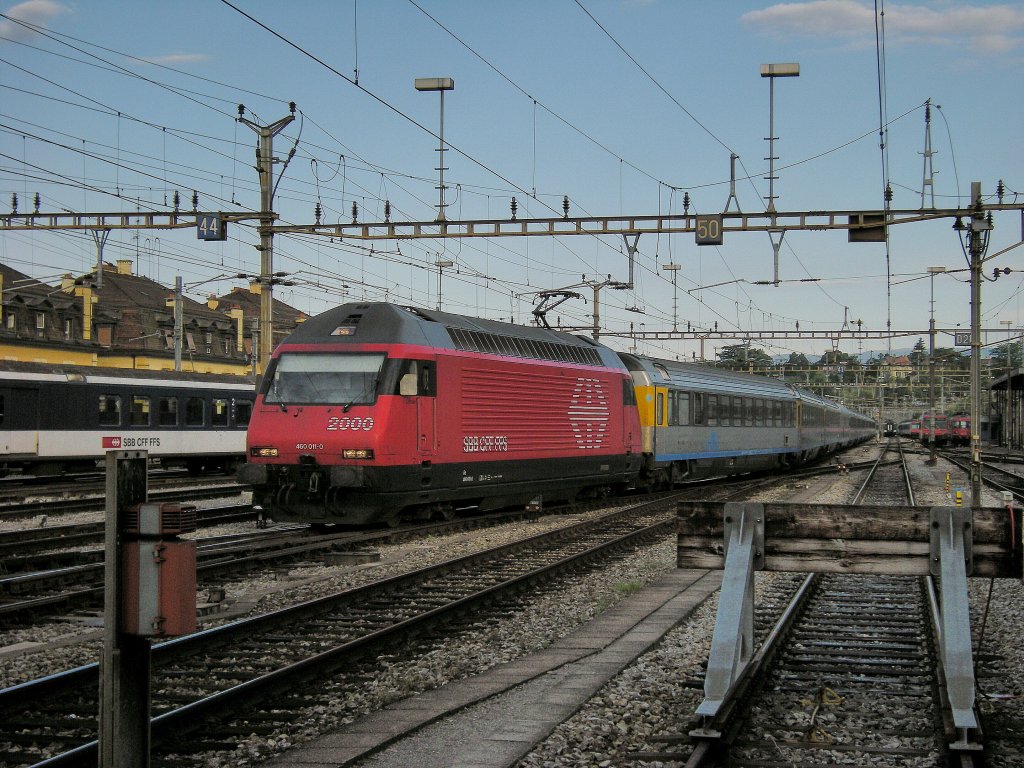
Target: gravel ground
(655, 695)
(651, 697)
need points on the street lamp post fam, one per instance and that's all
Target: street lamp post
(441, 264)
(439, 84)
(932, 272)
(674, 269)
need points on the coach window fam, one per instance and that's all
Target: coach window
(659, 409)
(195, 412)
(713, 410)
(699, 416)
(110, 410)
(243, 411)
(140, 411)
(748, 412)
(219, 413)
(168, 412)
(759, 412)
(682, 409)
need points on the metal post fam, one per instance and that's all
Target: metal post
(439, 84)
(265, 166)
(179, 312)
(932, 271)
(771, 71)
(674, 269)
(441, 264)
(124, 669)
(977, 241)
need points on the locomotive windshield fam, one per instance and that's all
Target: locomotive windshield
(331, 379)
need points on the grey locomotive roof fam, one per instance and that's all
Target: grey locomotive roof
(383, 323)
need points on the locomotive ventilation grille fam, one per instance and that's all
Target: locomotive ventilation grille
(513, 346)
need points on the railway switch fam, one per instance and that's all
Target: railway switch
(159, 571)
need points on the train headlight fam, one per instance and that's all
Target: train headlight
(266, 452)
(357, 453)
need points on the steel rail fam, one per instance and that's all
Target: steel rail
(170, 724)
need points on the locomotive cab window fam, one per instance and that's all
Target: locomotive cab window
(110, 410)
(331, 379)
(416, 377)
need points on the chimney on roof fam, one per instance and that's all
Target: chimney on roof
(67, 283)
(255, 288)
(124, 266)
(211, 301)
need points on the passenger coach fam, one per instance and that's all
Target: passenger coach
(703, 422)
(55, 418)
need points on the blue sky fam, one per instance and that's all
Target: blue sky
(621, 105)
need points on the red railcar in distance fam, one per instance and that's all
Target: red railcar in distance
(371, 412)
(934, 425)
(960, 429)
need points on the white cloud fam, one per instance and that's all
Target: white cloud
(984, 29)
(36, 12)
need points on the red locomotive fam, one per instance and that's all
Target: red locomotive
(351, 425)
(934, 424)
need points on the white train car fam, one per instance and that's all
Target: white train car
(59, 418)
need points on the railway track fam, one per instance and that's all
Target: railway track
(75, 580)
(849, 675)
(50, 570)
(52, 501)
(206, 684)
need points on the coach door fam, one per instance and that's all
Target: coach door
(19, 421)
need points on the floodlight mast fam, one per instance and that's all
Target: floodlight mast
(439, 84)
(772, 71)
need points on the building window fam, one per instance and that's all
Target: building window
(69, 329)
(40, 321)
(12, 321)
